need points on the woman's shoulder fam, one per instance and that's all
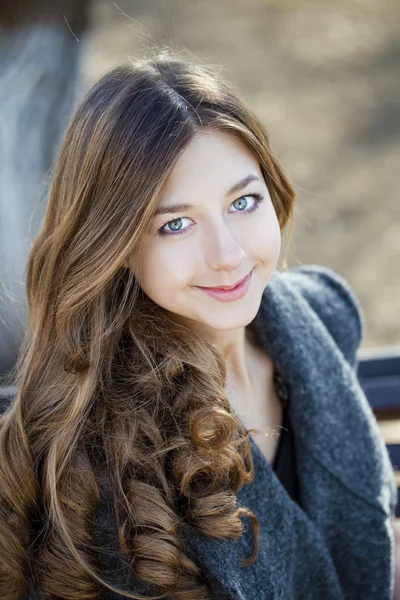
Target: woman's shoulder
(335, 303)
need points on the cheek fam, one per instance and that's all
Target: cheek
(274, 237)
(265, 237)
(165, 269)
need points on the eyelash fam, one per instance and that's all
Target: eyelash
(257, 197)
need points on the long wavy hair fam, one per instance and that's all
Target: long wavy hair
(111, 394)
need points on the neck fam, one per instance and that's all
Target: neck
(248, 367)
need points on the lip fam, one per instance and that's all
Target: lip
(233, 293)
(226, 287)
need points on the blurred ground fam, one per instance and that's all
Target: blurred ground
(324, 78)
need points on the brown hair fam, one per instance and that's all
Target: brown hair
(110, 390)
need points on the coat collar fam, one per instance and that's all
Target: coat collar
(339, 454)
(331, 417)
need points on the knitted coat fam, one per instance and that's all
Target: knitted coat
(337, 542)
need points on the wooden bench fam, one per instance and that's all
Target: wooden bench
(379, 375)
(378, 372)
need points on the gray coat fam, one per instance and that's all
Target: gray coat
(337, 542)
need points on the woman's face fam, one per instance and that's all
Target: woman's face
(216, 241)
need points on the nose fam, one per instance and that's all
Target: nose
(224, 249)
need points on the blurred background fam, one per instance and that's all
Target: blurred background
(322, 75)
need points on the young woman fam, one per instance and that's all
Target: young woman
(188, 423)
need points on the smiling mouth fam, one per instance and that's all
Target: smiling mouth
(225, 287)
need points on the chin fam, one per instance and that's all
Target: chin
(238, 319)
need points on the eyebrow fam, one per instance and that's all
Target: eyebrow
(173, 208)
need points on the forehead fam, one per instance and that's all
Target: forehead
(216, 159)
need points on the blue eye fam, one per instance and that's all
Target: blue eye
(258, 198)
